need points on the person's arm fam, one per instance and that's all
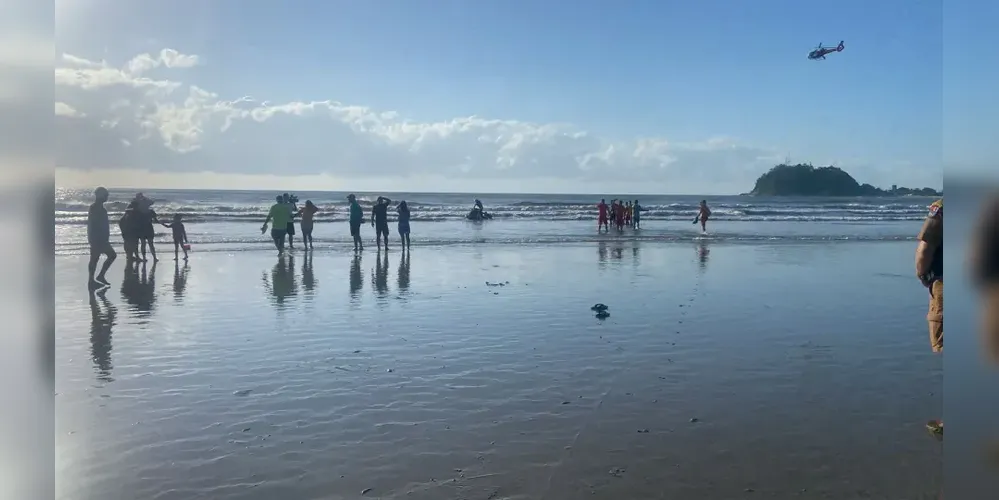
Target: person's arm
(270, 215)
(183, 231)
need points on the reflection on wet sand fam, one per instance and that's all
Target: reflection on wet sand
(702, 254)
(617, 252)
(180, 280)
(103, 315)
(282, 285)
(403, 274)
(379, 277)
(356, 280)
(138, 288)
(602, 252)
(308, 275)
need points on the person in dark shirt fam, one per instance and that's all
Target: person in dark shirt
(403, 210)
(99, 238)
(379, 219)
(129, 233)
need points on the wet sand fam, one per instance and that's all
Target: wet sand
(724, 371)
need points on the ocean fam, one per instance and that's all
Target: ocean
(230, 220)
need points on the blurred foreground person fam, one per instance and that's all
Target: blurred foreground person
(985, 274)
(929, 269)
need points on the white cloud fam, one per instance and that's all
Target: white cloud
(130, 119)
(63, 109)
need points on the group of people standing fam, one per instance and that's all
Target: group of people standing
(282, 219)
(283, 213)
(137, 233)
(622, 213)
(627, 213)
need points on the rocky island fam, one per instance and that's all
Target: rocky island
(806, 180)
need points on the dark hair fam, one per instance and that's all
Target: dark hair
(403, 206)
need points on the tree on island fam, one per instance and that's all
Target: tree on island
(805, 180)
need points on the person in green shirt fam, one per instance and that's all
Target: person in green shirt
(280, 217)
(356, 219)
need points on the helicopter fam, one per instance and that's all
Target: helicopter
(820, 51)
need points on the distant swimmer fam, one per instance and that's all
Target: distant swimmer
(355, 219)
(308, 213)
(99, 238)
(179, 235)
(628, 213)
(602, 216)
(703, 214)
(379, 219)
(403, 210)
(279, 216)
(636, 220)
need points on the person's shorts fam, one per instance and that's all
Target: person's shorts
(102, 248)
(290, 230)
(602, 220)
(355, 229)
(278, 234)
(381, 228)
(403, 228)
(935, 316)
(307, 228)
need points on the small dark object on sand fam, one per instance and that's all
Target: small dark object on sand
(603, 314)
(598, 307)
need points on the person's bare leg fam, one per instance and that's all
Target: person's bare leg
(142, 245)
(152, 249)
(111, 256)
(176, 250)
(92, 268)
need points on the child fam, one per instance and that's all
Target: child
(179, 236)
(703, 214)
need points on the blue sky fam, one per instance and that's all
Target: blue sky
(685, 71)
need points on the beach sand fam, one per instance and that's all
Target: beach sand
(724, 371)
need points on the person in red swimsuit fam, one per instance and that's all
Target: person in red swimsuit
(602, 216)
(619, 216)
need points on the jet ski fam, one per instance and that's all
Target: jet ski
(478, 215)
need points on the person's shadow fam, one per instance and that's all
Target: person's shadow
(379, 278)
(403, 274)
(103, 316)
(282, 281)
(309, 282)
(179, 281)
(356, 280)
(702, 255)
(138, 288)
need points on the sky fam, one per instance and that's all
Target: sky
(516, 96)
